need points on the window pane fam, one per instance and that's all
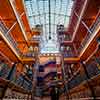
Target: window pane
(38, 13)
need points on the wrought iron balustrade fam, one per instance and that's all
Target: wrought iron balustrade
(29, 54)
(68, 53)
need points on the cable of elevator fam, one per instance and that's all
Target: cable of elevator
(49, 4)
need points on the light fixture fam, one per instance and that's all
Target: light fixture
(26, 66)
(48, 54)
(49, 37)
(31, 48)
(52, 54)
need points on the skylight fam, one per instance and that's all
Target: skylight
(49, 14)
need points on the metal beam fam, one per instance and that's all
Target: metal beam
(12, 27)
(49, 4)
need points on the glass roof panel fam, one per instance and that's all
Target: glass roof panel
(49, 14)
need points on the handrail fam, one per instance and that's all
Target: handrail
(2, 26)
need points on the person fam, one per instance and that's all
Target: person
(54, 93)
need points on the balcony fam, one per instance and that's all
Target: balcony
(19, 16)
(64, 37)
(68, 51)
(35, 38)
(62, 34)
(93, 30)
(12, 42)
(9, 37)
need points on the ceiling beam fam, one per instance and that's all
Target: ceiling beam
(72, 59)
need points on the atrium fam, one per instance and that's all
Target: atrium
(49, 49)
